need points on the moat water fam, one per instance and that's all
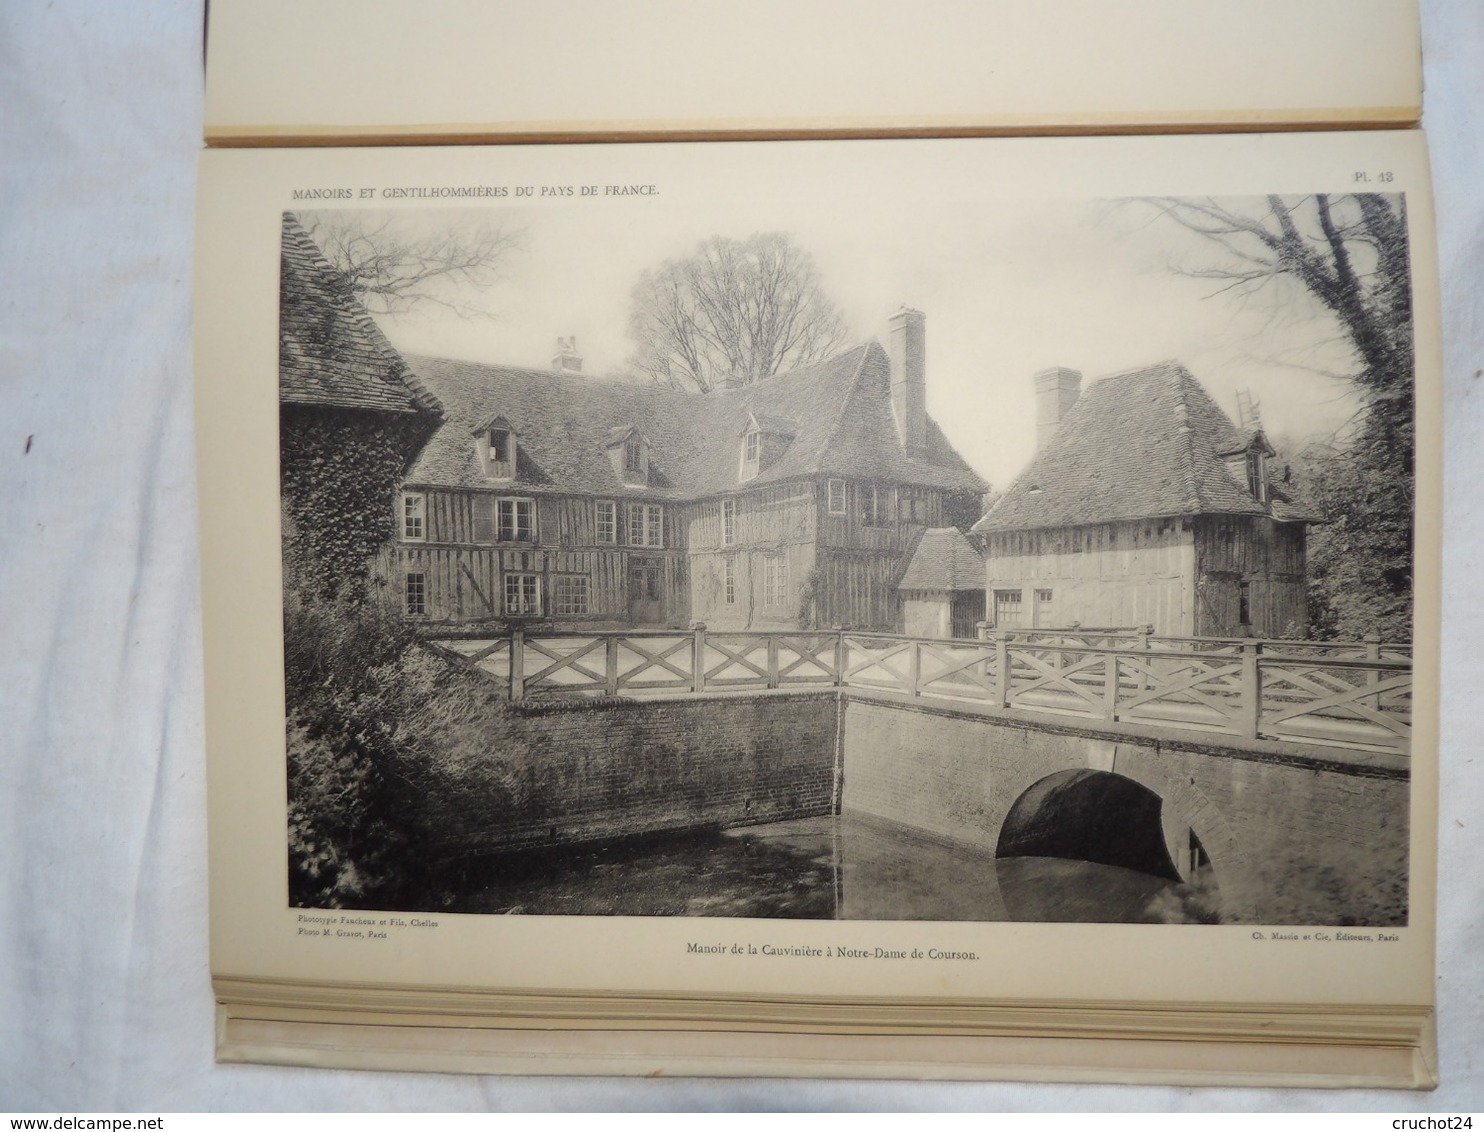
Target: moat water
(845, 868)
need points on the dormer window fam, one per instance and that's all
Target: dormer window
(764, 440)
(1256, 475)
(496, 447)
(752, 452)
(629, 453)
(499, 446)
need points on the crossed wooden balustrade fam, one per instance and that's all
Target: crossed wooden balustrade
(1354, 695)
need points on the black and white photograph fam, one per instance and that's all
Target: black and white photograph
(1042, 560)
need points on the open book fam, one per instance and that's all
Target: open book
(901, 607)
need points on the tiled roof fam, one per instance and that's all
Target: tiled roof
(330, 351)
(1143, 444)
(945, 559)
(836, 415)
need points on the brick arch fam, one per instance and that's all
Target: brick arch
(1141, 765)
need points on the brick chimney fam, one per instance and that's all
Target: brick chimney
(1057, 389)
(909, 377)
(566, 359)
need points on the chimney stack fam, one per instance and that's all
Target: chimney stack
(1056, 392)
(566, 359)
(909, 377)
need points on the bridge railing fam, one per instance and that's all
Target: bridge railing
(1345, 695)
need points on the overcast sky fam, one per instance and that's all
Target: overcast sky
(1007, 289)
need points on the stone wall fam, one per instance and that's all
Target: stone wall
(1293, 835)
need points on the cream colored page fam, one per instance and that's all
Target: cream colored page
(875, 192)
(279, 69)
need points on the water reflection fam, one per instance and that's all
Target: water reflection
(848, 868)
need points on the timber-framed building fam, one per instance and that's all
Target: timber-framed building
(547, 495)
(1146, 505)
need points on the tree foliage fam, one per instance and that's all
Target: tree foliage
(735, 310)
(1349, 252)
(392, 268)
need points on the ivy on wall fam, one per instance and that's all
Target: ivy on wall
(339, 475)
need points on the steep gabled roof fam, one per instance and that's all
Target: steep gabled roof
(837, 413)
(1143, 444)
(330, 351)
(944, 559)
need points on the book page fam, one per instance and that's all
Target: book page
(650, 744)
(280, 72)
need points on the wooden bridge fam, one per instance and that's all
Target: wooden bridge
(1355, 695)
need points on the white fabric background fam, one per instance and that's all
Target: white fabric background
(105, 1002)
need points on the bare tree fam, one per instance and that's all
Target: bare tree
(736, 310)
(1351, 253)
(393, 268)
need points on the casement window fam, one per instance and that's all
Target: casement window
(633, 454)
(607, 522)
(775, 580)
(836, 497)
(414, 513)
(515, 520)
(728, 522)
(415, 591)
(569, 594)
(1244, 603)
(646, 524)
(522, 595)
(875, 505)
(729, 581)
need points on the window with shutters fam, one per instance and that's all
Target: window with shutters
(875, 505)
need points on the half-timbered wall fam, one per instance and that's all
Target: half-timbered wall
(1100, 575)
(1267, 559)
(857, 589)
(891, 522)
(773, 524)
(464, 566)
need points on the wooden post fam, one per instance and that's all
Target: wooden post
(517, 664)
(1110, 684)
(839, 632)
(698, 657)
(1373, 675)
(772, 661)
(1251, 719)
(914, 666)
(1142, 642)
(610, 664)
(1002, 668)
